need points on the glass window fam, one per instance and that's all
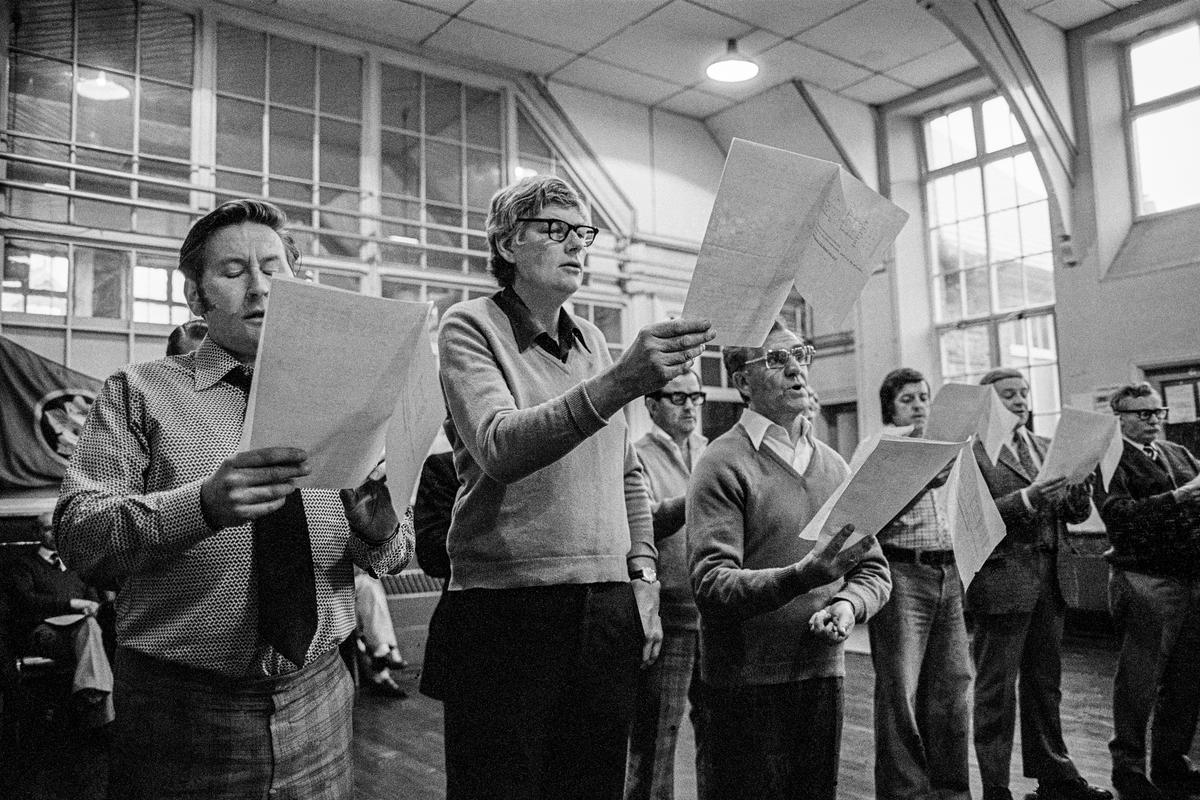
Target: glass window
(1164, 115)
(35, 277)
(99, 282)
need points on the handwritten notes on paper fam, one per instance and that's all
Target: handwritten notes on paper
(961, 410)
(895, 471)
(342, 374)
(1082, 440)
(972, 518)
(782, 219)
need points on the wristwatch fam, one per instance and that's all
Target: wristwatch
(646, 574)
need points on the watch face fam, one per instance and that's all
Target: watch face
(646, 574)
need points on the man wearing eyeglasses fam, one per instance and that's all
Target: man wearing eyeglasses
(668, 453)
(774, 611)
(1152, 511)
(1018, 611)
(552, 604)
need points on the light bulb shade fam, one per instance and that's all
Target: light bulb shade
(100, 88)
(733, 67)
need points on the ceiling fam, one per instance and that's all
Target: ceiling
(654, 51)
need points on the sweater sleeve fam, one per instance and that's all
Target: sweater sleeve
(716, 533)
(508, 443)
(1144, 525)
(642, 551)
(868, 584)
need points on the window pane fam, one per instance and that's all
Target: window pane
(483, 177)
(443, 173)
(339, 152)
(167, 43)
(978, 291)
(483, 117)
(291, 143)
(937, 142)
(999, 180)
(962, 135)
(443, 113)
(968, 193)
(233, 184)
(972, 243)
(1166, 64)
(1030, 185)
(160, 192)
(241, 62)
(341, 200)
(108, 122)
(341, 84)
(1035, 228)
(399, 290)
(442, 298)
(401, 96)
(95, 214)
(401, 164)
(166, 120)
(106, 31)
(608, 320)
(102, 184)
(949, 297)
(149, 283)
(43, 26)
(294, 199)
(239, 134)
(1005, 235)
(292, 72)
(99, 289)
(941, 193)
(339, 280)
(40, 96)
(1039, 279)
(1010, 287)
(1000, 128)
(530, 139)
(1168, 160)
(966, 353)
(944, 245)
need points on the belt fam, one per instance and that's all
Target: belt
(930, 558)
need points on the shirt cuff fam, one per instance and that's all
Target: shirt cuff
(389, 556)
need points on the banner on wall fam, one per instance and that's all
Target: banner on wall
(43, 406)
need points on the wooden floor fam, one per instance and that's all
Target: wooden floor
(398, 743)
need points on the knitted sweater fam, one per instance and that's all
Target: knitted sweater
(745, 510)
(666, 481)
(550, 493)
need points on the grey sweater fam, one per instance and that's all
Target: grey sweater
(745, 510)
(550, 492)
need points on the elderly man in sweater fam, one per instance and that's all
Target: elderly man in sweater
(774, 611)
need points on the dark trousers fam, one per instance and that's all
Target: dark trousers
(1022, 649)
(183, 732)
(770, 742)
(1158, 620)
(539, 690)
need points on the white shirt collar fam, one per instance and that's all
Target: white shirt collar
(757, 427)
(696, 443)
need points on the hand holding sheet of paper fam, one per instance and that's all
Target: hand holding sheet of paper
(1082, 440)
(338, 374)
(823, 231)
(891, 475)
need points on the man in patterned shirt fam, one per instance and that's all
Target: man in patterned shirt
(223, 688)
(919, 639)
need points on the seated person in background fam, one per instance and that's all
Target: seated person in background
(919, 639)
(54, 616)
(186, 337)
(774, 611)
(378, 637)
(1152, 512)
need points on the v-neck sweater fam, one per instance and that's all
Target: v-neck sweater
(745, 510)
(550, 492)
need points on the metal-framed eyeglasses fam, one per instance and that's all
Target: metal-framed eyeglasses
(679, 398)
(1147, 414)
(778, 359)
(558, 229)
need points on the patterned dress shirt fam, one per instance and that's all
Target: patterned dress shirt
(922, 525)
(129, 515)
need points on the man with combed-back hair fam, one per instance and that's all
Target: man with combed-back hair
(553, 597)
(237, 589)
(1152, 512)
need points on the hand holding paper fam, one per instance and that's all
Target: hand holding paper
(828, 561)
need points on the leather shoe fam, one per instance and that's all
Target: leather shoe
(1135, 786)
(1075, 789)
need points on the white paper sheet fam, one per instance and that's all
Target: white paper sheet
(972, 518)
(340, 374)
(895, 470)
(961, 410)
(781, 219)
(1083, 440)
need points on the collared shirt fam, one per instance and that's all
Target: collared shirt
(760, 430)
(695, 446)
(129, 513)
(528, 332)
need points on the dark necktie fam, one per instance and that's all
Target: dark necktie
(1024, 456)
(1151, 453)
(287, 593)
(57, 563)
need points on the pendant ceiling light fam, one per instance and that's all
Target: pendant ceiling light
(733, 67)
(101, 88)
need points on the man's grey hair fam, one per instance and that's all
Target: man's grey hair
(735, 357)
(525, 198)
(1130, 391)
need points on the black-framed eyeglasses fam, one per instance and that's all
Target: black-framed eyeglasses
(778, 359)
(558, 229)
(1147, 414)
(679, 398)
